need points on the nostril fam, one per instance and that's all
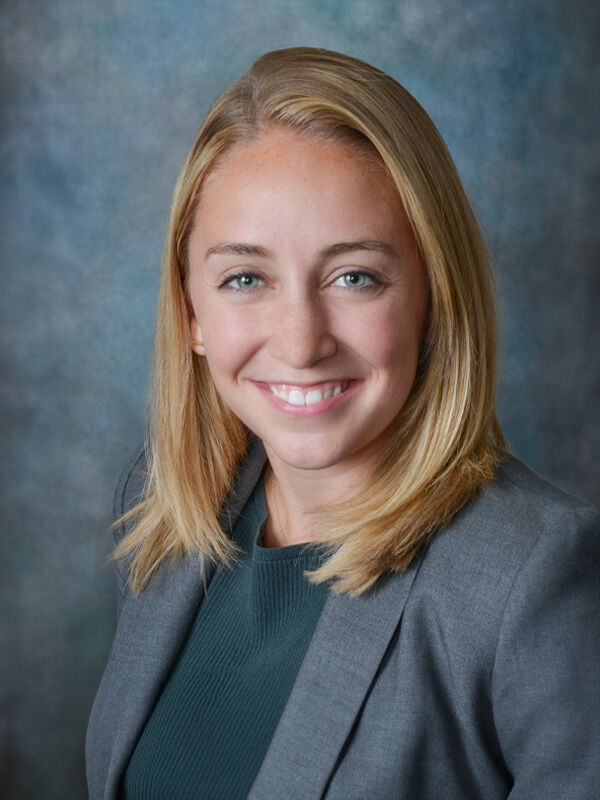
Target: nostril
(301, 343)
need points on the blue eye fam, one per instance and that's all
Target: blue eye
(242, 282)
(357, 280)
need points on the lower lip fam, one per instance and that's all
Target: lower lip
(312, 410)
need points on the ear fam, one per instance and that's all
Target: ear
(196, 333)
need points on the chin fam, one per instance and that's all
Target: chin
(304, 461)
(310, 455)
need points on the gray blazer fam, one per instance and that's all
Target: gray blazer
(474, 674)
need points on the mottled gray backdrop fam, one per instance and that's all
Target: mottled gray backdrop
(100, 102)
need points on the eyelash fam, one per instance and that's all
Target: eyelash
(373, 282)
(227, 284)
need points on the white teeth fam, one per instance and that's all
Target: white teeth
(297, 397)
(313, 396)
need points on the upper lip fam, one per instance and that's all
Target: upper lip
(305, 384)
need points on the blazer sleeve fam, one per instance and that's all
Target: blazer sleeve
(129, 492)
(546, 680)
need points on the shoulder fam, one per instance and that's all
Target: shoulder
(130, 487)
(133, 481)
(541, 559)
(516, 513)
(517, 490)
(520, 538)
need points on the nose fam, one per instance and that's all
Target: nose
(301, 334)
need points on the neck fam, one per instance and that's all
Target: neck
(293, 497)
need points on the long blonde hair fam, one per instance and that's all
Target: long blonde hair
(444, 444)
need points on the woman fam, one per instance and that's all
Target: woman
(333, 579)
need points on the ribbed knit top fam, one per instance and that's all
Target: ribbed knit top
(213, 722)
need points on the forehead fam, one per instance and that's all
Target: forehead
(304, 174)
(279, 140)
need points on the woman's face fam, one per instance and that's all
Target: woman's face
(309, 297)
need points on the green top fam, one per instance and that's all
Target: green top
(212, 725)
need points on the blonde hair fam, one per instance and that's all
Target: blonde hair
(445, 442)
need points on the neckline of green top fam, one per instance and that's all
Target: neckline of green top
(257, 507)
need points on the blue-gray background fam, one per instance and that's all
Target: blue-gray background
(99, 103)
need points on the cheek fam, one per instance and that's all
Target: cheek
(389, 341)
(230, 343)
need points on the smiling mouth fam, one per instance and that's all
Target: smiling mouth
(307, 395)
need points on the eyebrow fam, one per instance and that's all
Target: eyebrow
(239, 248)
(349, 247)
(236, 249)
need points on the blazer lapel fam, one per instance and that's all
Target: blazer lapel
(349, 642)
(151, 632)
